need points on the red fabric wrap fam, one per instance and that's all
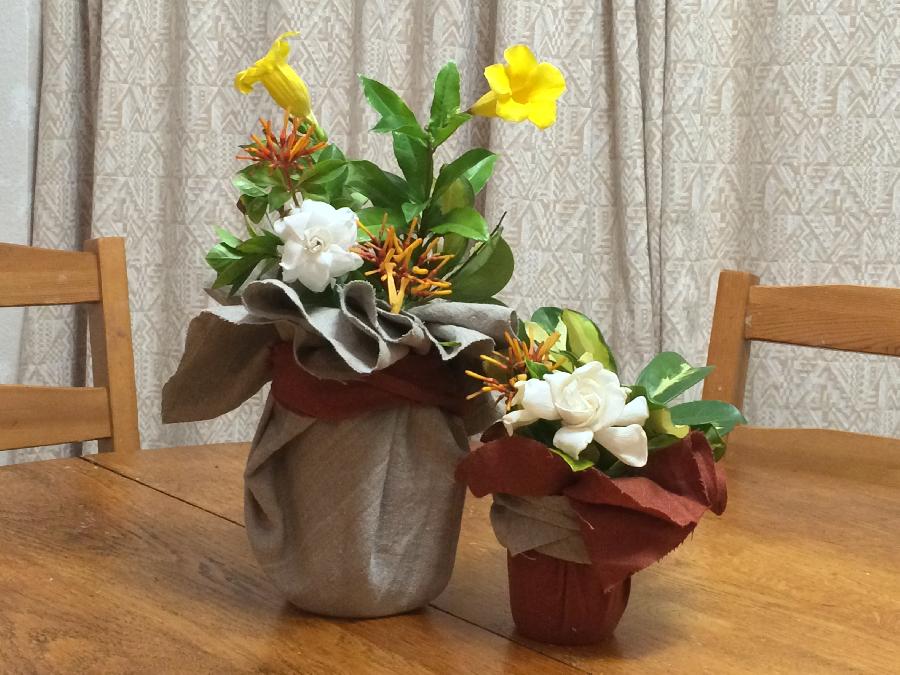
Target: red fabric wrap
(419, 380)
(562, 602)
(627, 523)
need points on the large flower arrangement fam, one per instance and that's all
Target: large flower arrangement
(362, 295)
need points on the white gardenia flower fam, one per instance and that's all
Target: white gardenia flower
(316, 238)
(590, 403)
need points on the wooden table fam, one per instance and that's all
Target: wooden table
(140, 564)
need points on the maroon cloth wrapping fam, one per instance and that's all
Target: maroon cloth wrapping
(627, 523)
(562, 602)
(419, 380)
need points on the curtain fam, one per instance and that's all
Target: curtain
(694, 136)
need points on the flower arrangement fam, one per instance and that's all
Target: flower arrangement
(362, 295)
(592, 480)
(318, 220)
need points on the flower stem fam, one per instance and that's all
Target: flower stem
(318, 133)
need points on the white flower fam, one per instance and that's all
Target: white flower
(316, 238)
(590, 403)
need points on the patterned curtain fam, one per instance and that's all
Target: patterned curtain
(694, 136)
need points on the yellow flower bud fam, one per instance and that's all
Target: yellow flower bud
(278, 77)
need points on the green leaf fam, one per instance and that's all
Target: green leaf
(411, 210)
(476, 166)
(669, 375)
(414, 159)
(716, 442)
(661, 441)
(236, 273)
(445, 115)
(322, 172)
(330, 151)
(441, 134)
(278, 197)
(456, 246)
(446, 96)
(535, 331)
(660, 422)
(381, 187)
(723, 416)
(479, 174)
(536, 370)
(246, 186)
(329, 187)
(395, 114)
(584, 337)
(255, 208)
(565, 360)
(485, 273)
(352, 200)
(466, 222)
(265, 244)
(221, 255)
(457, 195)
(263, 175)
(373, 217)
(584, 461)
(227, 237)
(547, 318)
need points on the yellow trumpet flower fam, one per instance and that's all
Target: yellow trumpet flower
(278, 77)
(522, 89)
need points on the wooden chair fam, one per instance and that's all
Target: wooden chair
(107, 412)
(847, 318)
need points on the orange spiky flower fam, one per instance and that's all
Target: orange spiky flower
(504, 369)
(402, 274)
(287, 152)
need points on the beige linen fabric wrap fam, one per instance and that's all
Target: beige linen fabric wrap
(548, 525)
(355, 518)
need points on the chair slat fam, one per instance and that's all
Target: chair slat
(33, 416)
(849, 318)
(39, 276)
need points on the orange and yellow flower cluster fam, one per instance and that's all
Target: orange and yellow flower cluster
(396, 264)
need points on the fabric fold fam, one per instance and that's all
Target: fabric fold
(625, 524)
(225, 361)
(351, 505)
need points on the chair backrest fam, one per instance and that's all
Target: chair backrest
(847, 318)
(107, 412)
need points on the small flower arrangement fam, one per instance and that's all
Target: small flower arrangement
(592, 480)
(318, 220)
(560, 384)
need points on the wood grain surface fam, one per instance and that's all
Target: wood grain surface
(112, 357)
(35, 416)
(32, 415)
(100, 574)
(851, 318)
(801, 574)
(729, 350)
(41, 276)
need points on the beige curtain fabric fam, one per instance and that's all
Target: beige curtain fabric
(694, 136)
